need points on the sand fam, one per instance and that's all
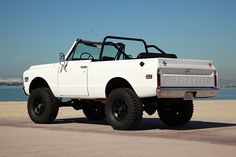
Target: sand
(212, 132)
(213, 109)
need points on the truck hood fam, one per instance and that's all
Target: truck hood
(41, 66)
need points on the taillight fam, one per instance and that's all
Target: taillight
(158, 80)
(215, 80)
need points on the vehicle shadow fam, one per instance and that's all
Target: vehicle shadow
(81, 120)
(155, 123)
(152, 123)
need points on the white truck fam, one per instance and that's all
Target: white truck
(110, 80)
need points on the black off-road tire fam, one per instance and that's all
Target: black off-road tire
(123, 109)
(175, 113)
(94, 111)
(42, 106)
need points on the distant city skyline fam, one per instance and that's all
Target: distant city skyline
(35, 32)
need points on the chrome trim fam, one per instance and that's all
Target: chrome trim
(181, 92)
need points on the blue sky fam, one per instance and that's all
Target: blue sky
(35, 32)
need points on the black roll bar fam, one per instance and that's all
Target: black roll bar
(154, 46)
(122, 38)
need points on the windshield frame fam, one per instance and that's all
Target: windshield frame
(94, 44)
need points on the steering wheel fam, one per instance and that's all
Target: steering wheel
(86, 53)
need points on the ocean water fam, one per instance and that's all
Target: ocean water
(12, 93)
(224, 94)
(15, 93)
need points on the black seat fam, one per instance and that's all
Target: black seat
(106, 58)
(155, 55)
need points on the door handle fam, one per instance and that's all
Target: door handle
(83, 67)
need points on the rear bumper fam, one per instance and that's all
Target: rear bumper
(182, 92)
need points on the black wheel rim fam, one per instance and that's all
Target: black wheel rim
(39, 106)
(172, 112)
(119, 110)
(94, 109)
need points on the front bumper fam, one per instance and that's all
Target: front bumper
(25, 91)
(186, 92)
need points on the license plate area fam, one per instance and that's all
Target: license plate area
(188, 96)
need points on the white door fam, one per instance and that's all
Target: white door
(73, 79)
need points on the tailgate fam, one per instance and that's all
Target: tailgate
(187, 73)
(182, 78)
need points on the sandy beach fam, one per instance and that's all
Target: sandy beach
(212, 132)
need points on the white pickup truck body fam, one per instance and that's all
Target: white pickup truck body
(87, 79)
(162, 78)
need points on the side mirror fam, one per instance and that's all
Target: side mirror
(62, 58)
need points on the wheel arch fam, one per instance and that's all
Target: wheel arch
(115, 83)
(38, 82)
